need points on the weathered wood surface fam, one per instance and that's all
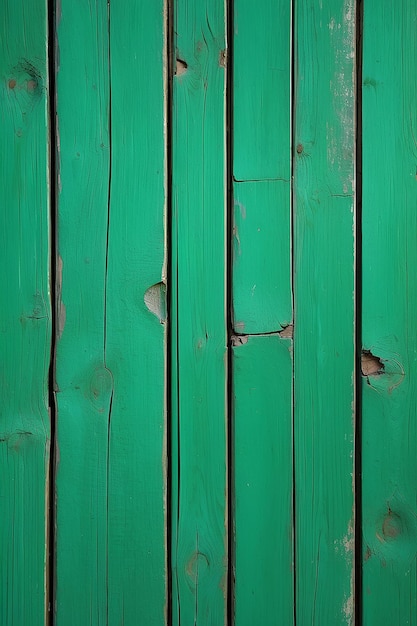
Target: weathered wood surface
(110, 358)
(324, 331)
(199, 377)
(389, 328)
(25, 313)
(262, 303)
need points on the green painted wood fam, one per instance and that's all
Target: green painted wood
(262, 303)
(85, 384)
(135, 317)
(261, 90)
(261, 255)
(25, 312)
(110, 359)
(324, 339)
(262, 453)
(389, 301)
(199, 509)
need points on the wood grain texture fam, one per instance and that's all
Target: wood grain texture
(136, 317)
(84, 382)
(324, 339)
(199, 509)
(110, 358)
(262, 453)
(389, 329)
(262, 303)
(25, 312)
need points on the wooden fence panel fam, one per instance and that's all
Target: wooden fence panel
(262, 303)
(25, 313)
(389, 330)
(199, 355)
(324, 331)
(110, 356)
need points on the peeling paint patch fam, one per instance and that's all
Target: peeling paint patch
(155, 301)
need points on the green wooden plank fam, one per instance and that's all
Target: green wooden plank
(261, 256)
(135, 315)
(324, 339)
(262, 303)
(261, 90)
(25, 312)
(389, 301)
(199, 545)
(85, 384)
(262, 453)
(110, 365)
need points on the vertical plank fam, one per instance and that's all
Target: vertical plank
(25, 312)
(261, 166)
(324, 339)
(135, 316)
(110, 362)
(262, 374)
(199, 543)
(84, 382)
(262, 303)
(389, 304)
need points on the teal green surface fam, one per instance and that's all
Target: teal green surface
(136, 318)
(324, 330)
(110, 357)
(199, 497)
(262, 298)
(389, 457)
(25, 313)
(85, 384)
(262, 453)
(261, 90)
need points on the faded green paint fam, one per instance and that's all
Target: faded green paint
(389, 331)
(110, 353)
(324, 333)
(199, 499)
(25, 312)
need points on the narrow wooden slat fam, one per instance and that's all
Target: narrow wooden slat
(324, 337)
(389, 329)
(261, 152)
(262, 303)
(135, 316)
(25, 312)
(199, 513)
(262, 453)
(85, 384)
